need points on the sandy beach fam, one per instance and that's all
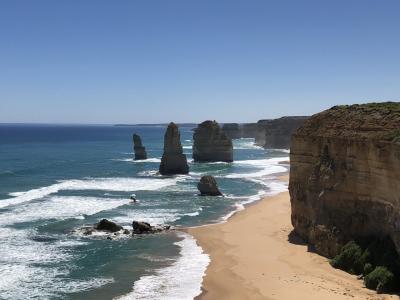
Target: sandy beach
(254, 255)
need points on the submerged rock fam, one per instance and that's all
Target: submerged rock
(106, 225)
(139, 149)
(210, 143)
(173, 160)
(208, 186)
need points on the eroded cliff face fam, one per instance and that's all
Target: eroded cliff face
(345, 176)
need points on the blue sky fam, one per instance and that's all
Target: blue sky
(156, 61)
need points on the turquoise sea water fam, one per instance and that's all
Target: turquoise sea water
(55, 179)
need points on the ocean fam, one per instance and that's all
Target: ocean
(55, 179)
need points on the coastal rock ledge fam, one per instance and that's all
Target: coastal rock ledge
(211, 144)
(173, 160)
(345, 176)
(140, 151)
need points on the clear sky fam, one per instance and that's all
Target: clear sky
(153, 61)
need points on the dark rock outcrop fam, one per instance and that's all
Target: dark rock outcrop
(210, 143)
(278, 132)
(146, 228)
(208, 186)
(141, 227)
(106, 225)
(140, 151)
(345, 176)
(173, 160)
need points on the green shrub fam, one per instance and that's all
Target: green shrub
(375, 258)
(380, 279)
(368, 268)
(349, 259)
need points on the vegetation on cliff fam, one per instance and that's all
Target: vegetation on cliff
(378, 121)
(375, 259)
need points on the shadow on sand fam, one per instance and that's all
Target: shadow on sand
(294, 239)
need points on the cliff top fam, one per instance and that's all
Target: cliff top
(379, 121)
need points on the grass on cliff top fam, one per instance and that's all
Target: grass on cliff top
(394, 106)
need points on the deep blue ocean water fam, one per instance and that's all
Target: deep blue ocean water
(55, 179)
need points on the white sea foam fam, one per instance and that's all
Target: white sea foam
(41, 283)
(150, 173)
(267, 167)
(60, 207)
(152, 216)
(187, 147)
(23, 267)
(155, 216)
(149, 160)
(244, 200)
(180, 281)
(106, 184)
(245, 143)
(193, 214)
(274, 188)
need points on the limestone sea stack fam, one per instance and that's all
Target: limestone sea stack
(210, 143)
(208, 186)
(345, 176)
(173, 160)
(140, 151)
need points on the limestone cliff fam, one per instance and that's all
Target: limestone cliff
(345, 176)
(210, 143)
(259, 137)
(173, 160)
(279, 131)
(232, 130)
(138, 148)
(249, 130)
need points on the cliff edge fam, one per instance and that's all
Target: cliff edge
(345, 176)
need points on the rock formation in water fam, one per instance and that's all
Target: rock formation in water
(106, 225)
(145, 228)
(232, 130)
(345, 176)
(173, 160)
(210, 143)
(208, 186)
(278, 132)
(139, 149)
(259, 137)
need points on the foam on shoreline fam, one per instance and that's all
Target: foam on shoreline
(180, 281)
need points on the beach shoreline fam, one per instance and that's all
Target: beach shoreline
(256, 255)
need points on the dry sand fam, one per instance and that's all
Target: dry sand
(255, 256)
